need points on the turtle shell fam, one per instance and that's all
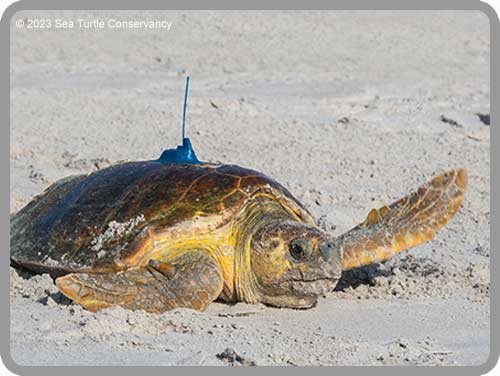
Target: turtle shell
(88, 222)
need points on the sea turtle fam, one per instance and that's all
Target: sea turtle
(154, 236)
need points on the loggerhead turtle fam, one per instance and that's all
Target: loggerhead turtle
(155, 236)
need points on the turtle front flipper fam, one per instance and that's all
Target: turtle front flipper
(405, 223)
(193, 280)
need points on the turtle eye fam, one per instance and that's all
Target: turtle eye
(298, 249)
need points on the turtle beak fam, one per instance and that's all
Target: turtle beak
(331, 253)
(326, 249)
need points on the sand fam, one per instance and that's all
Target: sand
(348, 110)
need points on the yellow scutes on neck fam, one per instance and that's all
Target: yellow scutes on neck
(262, 209)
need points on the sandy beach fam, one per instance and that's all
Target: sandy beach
(348, 110)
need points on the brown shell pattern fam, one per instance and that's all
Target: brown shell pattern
(83, 222)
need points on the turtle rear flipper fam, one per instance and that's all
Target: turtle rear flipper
(405, 223)
(193, 280)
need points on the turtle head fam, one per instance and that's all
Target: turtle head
(293, 263)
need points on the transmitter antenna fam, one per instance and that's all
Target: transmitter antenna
(183, 153)
(184, 111)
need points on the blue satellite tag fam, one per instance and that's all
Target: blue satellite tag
(183, 153)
